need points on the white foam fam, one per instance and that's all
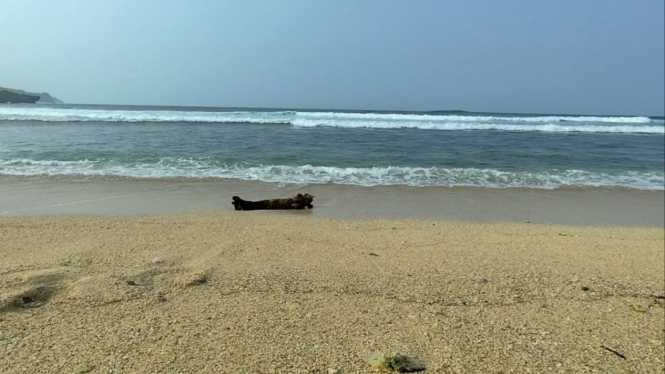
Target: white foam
(469, 126)
(467, 118)
(308, 174)
(347, 120)
(89, 115)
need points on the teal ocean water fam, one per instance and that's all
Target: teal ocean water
(449, 149)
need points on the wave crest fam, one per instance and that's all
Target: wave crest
(307, 174)
(347, 120)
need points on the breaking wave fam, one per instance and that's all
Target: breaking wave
(307, 174)
(594, 124)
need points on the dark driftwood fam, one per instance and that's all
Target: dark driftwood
(298, 201)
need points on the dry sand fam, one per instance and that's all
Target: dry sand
(287, 292)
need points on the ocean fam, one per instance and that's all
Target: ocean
(358, 148)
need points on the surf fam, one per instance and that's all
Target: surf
(305, 119)
(207, 167)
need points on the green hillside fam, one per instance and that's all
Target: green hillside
(14, 98)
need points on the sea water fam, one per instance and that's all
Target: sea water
(361, 148)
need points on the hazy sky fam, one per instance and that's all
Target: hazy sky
(537, 56)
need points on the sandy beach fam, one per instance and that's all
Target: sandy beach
(487, 181)
(152, 276)
(292, 292)
(38, 196)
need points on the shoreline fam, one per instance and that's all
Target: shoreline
(40, 196)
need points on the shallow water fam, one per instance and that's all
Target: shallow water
(305, 147)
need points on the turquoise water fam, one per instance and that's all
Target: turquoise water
(355, 148)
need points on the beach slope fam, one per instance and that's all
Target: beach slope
(275, 292)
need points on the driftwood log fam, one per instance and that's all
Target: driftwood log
(298, 201)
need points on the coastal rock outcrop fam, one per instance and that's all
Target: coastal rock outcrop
(10, 95)
(15, 98)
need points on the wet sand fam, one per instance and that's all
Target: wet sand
(104, 287)
(56, 196)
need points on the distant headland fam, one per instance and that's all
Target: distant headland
(13, 96)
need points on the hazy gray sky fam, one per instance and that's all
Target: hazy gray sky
(544, 56)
